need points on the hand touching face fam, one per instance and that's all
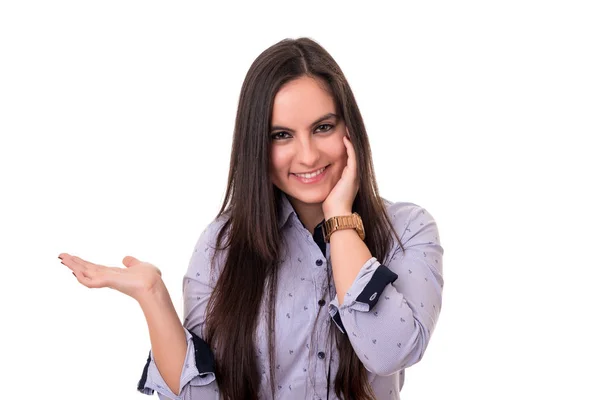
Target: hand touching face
(340, 199)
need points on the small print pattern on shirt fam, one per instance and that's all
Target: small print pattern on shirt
(389, 312)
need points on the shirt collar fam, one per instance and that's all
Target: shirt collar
(285, 209)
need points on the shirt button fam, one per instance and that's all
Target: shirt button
(321, 355)
(319, 262)
(321, 302)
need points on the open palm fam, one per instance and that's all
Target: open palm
(136, 280)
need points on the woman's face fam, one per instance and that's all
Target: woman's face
(306, 136)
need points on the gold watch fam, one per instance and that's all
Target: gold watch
(343, 222)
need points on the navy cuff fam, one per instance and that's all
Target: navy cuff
(380, 279)
(205, 359)
(142, 381)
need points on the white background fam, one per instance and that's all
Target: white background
(116, 120)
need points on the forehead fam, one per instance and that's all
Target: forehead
(300, 102)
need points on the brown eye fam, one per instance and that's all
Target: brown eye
(325, 127)
(276, 136)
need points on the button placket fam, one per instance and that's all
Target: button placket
(314, 248)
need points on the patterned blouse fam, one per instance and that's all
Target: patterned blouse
(389, 312)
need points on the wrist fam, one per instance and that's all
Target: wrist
(154, 294)
(343, 235)
(336, 213)
(343, 222)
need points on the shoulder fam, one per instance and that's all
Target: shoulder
(400, 210)
(208, 237)
(203, 261)
(412, 222)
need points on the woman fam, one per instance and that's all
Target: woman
(307, 284)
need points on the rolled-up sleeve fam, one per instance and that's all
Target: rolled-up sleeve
(198, 374)
(198, 370)
(390, 311)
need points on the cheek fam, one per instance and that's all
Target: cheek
(279, 162)
(337, 154)
(337, 150)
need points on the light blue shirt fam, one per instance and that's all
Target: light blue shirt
(389, 312)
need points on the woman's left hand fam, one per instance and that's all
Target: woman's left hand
(340, 199)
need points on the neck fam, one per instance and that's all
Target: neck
(310, 214)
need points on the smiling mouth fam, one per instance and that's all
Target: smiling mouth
(312, 174)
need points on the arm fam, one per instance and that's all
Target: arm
(389, 311)
(188, 363)
(167, 336)
(348, 254)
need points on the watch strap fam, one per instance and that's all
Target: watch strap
(343, 222)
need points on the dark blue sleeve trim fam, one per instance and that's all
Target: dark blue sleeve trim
(142, 381)
(338, 321)
(380, 279)
(205, 360)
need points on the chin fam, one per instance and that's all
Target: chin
(308, 199)
(308, 196)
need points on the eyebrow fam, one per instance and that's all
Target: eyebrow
(324, 117)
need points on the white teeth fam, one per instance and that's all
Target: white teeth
(307, 176)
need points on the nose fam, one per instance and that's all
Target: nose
(308, 152)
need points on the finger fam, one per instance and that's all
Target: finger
(81, 278)
(351, 155)
(130, 261)
(96, 273)
(68, 261)
(92, 283)
(83, 262)
(85, 266)
(88, 274)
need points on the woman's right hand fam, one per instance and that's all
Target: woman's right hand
(137, 280)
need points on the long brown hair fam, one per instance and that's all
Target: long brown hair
(251, 232)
